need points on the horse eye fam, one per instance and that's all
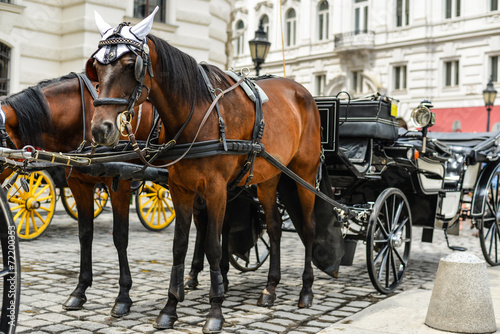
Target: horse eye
(97, 87)
(129, 67)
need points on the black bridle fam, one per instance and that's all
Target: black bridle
(142, 65)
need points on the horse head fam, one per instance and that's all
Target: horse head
(122, 66)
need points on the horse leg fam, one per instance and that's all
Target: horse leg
(83, 195)
(224, 263)
(120, 201)
(183, 204)
(200, 221)
(266, 192)
(307, 199)
(216, 208)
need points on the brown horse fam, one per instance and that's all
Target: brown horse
(56, 105)
(176, 87)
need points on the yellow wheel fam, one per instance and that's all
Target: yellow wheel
(154, 206)
(32, 205)
(101, 197)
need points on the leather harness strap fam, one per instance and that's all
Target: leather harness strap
(222, 126)
(207, 114)
(258, 132)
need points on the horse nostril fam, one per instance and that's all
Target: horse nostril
(101, 132)
(107, 127)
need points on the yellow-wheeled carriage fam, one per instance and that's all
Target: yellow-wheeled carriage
(32, 199)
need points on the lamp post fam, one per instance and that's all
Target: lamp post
(489, 95)
(259, 47)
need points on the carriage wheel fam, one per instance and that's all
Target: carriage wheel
(154, 206)
(101, 197)
(388, 240)
(32, 208)
(10, 269)
(488, 225)
(256, 256)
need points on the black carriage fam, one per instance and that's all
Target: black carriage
(392, 179)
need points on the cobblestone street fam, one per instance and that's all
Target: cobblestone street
(50, 267)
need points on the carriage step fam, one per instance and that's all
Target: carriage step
(455, 248)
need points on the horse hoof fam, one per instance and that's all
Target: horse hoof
(190, 283)
(120, 309)
(213, 325)
(226, 286)
(165, 321)
(305, 300)
(74, 303)
(266, 299)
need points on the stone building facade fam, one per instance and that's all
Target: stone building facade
(442, 50)
(42, 39)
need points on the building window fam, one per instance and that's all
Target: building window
(400, 77)
(402, 13)
(320, 81)
(143, 8)
(360, 16)
(452, 8)
(451, 73)
(240, 37)
(6, 1)
(493, 5)
(323, 20)
(357, 81)
(265, 23)
(4, 69)
(291, 27)
(494, 68)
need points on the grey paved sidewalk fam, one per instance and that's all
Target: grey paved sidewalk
(51, 264)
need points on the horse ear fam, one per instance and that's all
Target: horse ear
(102, 26)
(141, 29)
(90, 71)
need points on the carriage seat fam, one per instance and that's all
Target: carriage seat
(247, 89)
(476, 146)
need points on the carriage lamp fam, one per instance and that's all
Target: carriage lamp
(489, 95)
(259, 47)
(424, 118)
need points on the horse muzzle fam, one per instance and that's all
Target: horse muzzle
(105, 133)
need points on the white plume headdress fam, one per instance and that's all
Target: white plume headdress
(109, 53)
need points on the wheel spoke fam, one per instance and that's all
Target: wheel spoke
(383, 263)
(380, 254)
(393, 267)
(492, 210)
(380, 224)
(403, 224)
(403, 262)
(393, 209)
(5, 272)
(398, 213)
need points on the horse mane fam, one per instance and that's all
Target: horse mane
(180, 73)
(49, 82)
(33, 112)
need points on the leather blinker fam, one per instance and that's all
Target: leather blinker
(139, 69)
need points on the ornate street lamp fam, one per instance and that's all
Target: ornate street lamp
(489, 95)
(259, 47)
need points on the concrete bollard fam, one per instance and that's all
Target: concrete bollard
(461, 299)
